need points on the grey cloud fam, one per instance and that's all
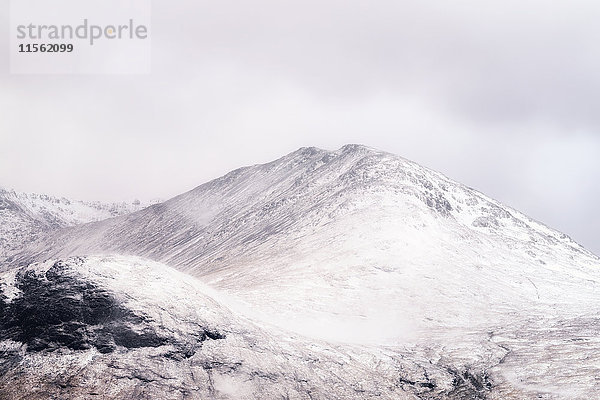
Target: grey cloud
(490, 60)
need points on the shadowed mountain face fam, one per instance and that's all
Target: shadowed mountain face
(363, 248)
(55, 309)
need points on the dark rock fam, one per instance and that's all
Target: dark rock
(58, 309)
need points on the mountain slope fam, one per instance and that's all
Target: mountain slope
(25, 216)
(127, 328)
(311, 187)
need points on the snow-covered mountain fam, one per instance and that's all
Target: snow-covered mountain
(127, 328)
(370, 253)
(24, 216)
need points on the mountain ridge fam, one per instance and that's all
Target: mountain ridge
(25, 216)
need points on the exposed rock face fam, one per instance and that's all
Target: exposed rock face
(57, 310)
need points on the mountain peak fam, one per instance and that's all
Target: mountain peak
(356, 148)
(345, 149)
(310, 187)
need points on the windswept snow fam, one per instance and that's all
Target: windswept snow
(128, 328)
(25, 216)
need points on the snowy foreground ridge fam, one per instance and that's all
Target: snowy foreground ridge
(348, 274)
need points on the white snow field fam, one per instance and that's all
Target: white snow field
(396, 282)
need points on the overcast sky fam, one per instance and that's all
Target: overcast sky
(503, 96)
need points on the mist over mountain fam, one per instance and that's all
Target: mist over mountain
(25, 216)
(396, 280)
